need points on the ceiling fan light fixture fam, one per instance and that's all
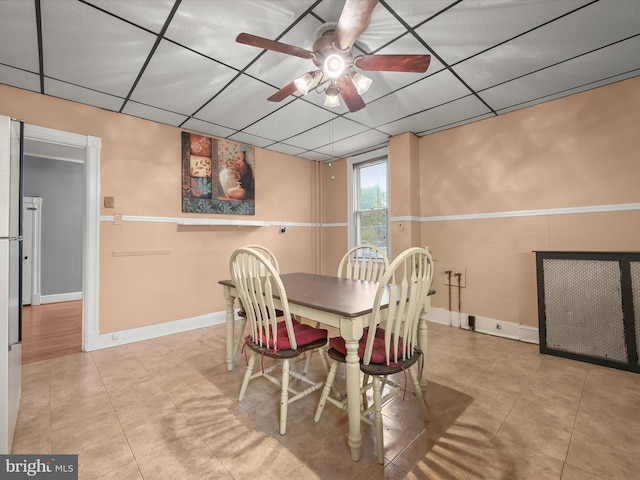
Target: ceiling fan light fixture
(361, 82)
(334, 65)
(331, 98)
(305, 82)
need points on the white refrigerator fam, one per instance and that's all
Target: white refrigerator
(11, 145)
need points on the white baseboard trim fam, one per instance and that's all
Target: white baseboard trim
(490, 326)
(442, 316)
(60, 297)
(106, 340)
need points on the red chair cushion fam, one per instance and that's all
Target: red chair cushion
(305, 334)
(378, 354)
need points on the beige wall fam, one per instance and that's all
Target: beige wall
(141, 168)
(574, 152)
(333, 185)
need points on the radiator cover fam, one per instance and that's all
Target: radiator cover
(586, 305)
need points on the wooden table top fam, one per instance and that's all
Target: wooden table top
(341, 296)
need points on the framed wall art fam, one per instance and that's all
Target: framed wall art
(218, 176)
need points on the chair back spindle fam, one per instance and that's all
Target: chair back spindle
(363, 262)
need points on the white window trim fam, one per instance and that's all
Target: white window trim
(351, 220)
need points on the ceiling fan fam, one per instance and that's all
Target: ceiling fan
(338, 71)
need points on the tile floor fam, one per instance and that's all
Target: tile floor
(167, 409)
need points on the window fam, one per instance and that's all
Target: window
(369, 219)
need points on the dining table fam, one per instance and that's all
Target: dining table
(342, 303)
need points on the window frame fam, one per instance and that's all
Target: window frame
(377, 156)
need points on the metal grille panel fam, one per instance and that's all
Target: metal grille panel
(635, 288)
(583, 307)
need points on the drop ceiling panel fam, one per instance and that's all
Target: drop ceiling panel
(21, 35)
(288, 149)
(553, 43)
(434, 90)
(471, 27)
(292, 119)
(317, 156)
(20, 78)
(583, 70)
(230, 106)
(344, 148)
(87, 96)
(331, 131)
(180, 80)
(209, 128)
(244, 137)
(155, 114)
(149, 14)
(440, 115)
(87, 47)
(511, 53)
(211, 27)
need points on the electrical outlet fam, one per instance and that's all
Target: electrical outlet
(283, 229)
(117, 219)
(452, 279)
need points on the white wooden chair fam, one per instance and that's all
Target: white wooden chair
(363, 262)
(279, 337)
(269, 255)
(394, 349)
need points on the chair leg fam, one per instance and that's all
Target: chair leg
(307, 361)
(365, 380)
(240, 341)
(284, 396)
(418, 394)
(247, 375)
(377, 418)
(325, 391)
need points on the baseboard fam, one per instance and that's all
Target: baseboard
(487, 325)
(106, 340)
(60, 297)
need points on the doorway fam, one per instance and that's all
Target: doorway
(31, 228)
(46, 142)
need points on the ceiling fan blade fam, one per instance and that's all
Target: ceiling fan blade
(353, 20)
(393, 63)
(283, 93)
(267, 44)
(349, 94)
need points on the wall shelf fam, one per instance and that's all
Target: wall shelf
(222, 223)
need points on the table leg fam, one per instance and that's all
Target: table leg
(230, 328)
(422, 341)
(351, 334)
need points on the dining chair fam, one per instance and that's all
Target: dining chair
(282, 338)
(392, 349)
(363, 262)
(269, 255)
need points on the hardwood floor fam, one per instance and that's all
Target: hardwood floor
(51, 330)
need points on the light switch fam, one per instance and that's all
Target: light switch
(109, 202)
